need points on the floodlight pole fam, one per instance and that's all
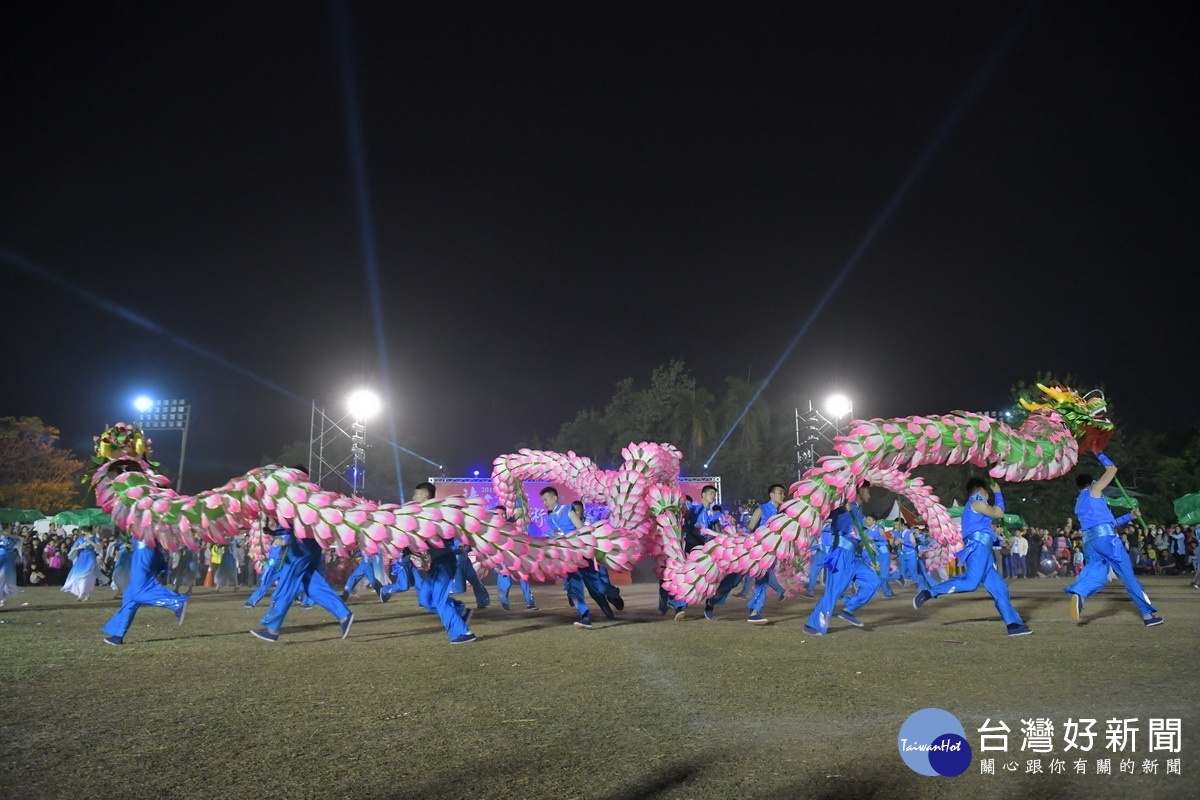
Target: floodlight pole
(172, 415)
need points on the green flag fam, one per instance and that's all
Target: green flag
(1187, 509)
(1126, 503)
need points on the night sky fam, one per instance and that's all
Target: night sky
(563, 195)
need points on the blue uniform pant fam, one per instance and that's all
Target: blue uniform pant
(883, 558)
(758, 600)
(574, 584)
(845, 567)
(666, 601)
(302, 572)
(1099, 555)
(466, 574)
(270, 575)
(405, 576)
(143, 590)
(365, 571)
(504, 583)
(820, 555)
(724, 588)
(599, 588)
(979, 568)
(436, 589)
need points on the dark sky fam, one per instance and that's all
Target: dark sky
(566, 194)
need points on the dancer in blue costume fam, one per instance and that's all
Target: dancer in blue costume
(910, 567)
(846, 564)
(272, 569)
(465, 573)
(144, 589)
(1102, 548)
(696, 517)
(767, 509)
(302, 571)
(976, 556)
(595, 579)
(369, 569)
(406, 574)
(504, 581)
(563, 520)
(883, 556)
(434, 592)
(85, 567)
(821, 550)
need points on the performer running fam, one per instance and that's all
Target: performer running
(563, 519)
(369, 569)
(504, 580)
(696, 517)
(766, 509)
(845, 564)
(883, 556)
(465, 574)
(976, 556)
(302, 571)
(143, 589)
(272, 569)
(595, 579)
(1102, 548)
(434, 592)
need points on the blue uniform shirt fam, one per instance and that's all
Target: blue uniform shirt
(842, 521)
(559, 519)
(1092, 511)
(975, 524)
(768, 510)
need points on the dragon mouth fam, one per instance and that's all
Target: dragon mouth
(1100, 412)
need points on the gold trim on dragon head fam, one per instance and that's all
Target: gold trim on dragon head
(122, 441)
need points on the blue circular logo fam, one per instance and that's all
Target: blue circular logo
(933, 742)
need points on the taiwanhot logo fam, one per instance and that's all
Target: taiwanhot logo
(933, 742)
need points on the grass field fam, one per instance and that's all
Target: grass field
(641, 707)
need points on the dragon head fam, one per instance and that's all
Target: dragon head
(1085, 416)
(122, 441)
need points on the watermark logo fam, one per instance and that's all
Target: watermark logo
(933, 742)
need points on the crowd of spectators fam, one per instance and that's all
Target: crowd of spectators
(1038, 552)
(41, 558)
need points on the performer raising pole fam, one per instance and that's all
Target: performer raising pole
(1102, 547)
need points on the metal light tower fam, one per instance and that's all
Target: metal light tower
(362, 405)
(166, 415)
(812, 427)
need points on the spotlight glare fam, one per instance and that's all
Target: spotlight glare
(839, 405)
(364, 404)
(143, 404)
